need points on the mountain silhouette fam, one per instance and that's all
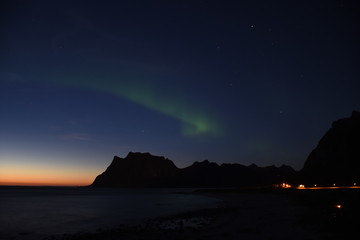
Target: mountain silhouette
(336, 159)
(146, 170)
(137, 170)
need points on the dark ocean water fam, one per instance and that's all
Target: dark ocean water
(37, 212)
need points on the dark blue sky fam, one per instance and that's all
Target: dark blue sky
(234, 81)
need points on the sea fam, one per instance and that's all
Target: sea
(39, 212)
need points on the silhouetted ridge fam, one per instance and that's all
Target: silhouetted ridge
(336, 159)
(137, 170)
(146, 170)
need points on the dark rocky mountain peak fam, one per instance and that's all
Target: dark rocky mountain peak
(204, 164)
(253, 165)
(336, 158)
(137, 170)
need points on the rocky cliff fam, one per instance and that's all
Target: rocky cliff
(336, 159)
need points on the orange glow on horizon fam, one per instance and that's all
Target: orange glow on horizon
(55, 184)
(13, 175)
(45, 181)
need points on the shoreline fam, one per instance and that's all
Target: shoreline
(245, 214)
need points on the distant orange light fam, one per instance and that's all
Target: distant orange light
(301, 186)
(285, 185)
(338, 206)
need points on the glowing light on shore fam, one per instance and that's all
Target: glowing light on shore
(301, 186)
(285, 185)
(328, 187)
(338, 206)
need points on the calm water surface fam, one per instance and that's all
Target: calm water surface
(36, 212)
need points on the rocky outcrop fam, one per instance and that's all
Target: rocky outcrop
(146, 170)
(137, 170)
(336, 159)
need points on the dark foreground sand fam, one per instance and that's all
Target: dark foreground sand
(252, 214)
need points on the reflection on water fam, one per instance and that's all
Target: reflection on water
(30, 212)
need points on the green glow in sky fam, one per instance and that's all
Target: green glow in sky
(194, 121)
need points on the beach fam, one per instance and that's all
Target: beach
(255, 214)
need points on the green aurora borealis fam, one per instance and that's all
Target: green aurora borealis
(195, 122)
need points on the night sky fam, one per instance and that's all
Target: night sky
(232, 82)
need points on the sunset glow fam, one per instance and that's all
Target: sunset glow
(46, 175)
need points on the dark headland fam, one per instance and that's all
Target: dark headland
(336, 159)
